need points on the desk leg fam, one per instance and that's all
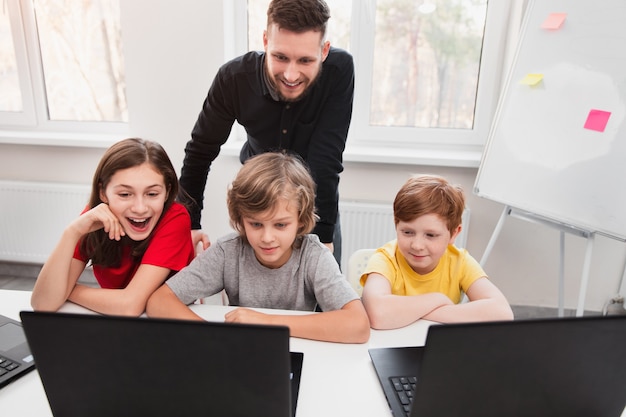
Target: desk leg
(562, 274)
(585, 278)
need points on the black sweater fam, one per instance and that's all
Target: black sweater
(314, 127)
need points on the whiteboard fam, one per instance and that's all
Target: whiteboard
(544, 154)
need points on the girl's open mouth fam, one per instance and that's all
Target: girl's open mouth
(139, 224)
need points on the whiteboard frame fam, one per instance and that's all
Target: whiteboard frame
(538, 157)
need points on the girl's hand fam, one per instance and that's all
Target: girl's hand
(100, 217)
(200, 240)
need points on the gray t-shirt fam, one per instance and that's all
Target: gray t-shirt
(311, 276)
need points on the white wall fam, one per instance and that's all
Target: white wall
(172, 50)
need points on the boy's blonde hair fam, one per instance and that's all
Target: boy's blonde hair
(265, 179)
(427, 194)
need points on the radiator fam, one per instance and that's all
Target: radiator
(364, 225)
(33, 216)
(370, 225)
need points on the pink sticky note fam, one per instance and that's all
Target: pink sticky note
(554, 21)
(597, 120)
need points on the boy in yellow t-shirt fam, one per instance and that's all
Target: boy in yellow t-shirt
(421, 274)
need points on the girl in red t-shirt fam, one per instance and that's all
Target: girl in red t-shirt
(133, 232)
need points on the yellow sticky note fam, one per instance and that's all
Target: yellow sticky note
(532, 79)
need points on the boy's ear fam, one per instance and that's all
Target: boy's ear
(456, 233)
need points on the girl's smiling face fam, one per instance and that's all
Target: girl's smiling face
(136, 196)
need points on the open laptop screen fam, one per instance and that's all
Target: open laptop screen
(92, 365)
(543, 367)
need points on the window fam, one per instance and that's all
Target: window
(338, 26)
(427, 72)
(434, 85)
(11, 97)
(62, 67)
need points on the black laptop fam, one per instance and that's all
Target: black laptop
(93, 365)
(542, 367)
(15, 357)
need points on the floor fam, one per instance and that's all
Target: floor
(15, 276)
(22, 277)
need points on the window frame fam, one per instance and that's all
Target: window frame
(434, 146)
(32, 126)
(27, 116)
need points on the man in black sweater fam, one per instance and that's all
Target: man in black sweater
(296, 96)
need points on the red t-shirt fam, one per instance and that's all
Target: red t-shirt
(170, 247)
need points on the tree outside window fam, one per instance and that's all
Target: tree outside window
(426, 57)
(74, 67)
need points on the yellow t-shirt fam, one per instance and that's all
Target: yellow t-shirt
(456, 272)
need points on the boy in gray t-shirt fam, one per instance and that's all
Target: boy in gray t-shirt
(273, 262)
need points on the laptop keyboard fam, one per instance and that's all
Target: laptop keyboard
(7, 366)
(405, 388)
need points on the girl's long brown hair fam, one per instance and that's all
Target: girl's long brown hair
(127, 153)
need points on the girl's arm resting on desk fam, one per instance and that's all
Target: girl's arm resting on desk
(59, 274)
(129, 301)
(390, 311)
(486, 303)
(348, 325)
(163, 303)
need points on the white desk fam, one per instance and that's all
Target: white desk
(337, 379)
